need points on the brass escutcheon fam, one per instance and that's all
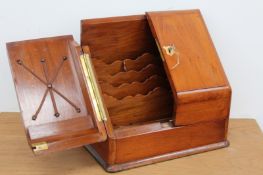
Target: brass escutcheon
(170, 49)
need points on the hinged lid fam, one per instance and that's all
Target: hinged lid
(187, 50)
(54, 95)
(200, 87)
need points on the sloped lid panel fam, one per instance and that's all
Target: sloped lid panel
(54, 103)
(190, 58)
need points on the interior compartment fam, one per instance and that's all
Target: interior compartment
(129, 69)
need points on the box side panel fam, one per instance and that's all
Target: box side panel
(104, 152)
(203, 105)
(170, 140)
(193, 66)
(117, 37)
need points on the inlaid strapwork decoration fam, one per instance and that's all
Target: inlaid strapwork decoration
(48, 82)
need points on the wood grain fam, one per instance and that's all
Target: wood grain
(58, 130)
(244, 134)
(198, 68)
(132, 75)
(71, 128)
(134, 88)
(155, 105)
(30, 90)
(199, 62)
(193, 119)
(148, 120)
(125, 65)
(176, 139)
(115, 38)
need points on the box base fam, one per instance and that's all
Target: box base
(155, 159)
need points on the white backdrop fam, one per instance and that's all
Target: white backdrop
(236, 28)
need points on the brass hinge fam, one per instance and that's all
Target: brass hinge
(93, 87)
(39, 146)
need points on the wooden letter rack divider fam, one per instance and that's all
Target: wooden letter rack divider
(138, 90)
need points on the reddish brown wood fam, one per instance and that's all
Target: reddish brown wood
(116, 38)
(203, 105)
(151, 160)
(134, 88)
(131, 75)
(71, 128)
(58, 130)
(199, 62)
(201, 102)
(131, 95)
(125, 65)
(161, 141)
(198, 67)
(173, 139)
(155, 105)
(148, 118)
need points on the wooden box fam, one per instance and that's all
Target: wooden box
(138, 90)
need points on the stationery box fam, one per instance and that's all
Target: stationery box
(137, 90)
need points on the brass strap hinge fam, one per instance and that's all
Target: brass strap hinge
(93, 87)
(41, 146)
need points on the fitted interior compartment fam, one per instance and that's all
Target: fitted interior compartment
(131, 76)
(129, 69)
(125, 65)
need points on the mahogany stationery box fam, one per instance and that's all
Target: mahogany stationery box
(138, 90)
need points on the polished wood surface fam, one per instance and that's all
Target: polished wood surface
(244, 156)
(117, 38)
(30, 89)
(161, 141)
(132, 80)
(49, 86)
(155, 105)
(156, 159)
(142, 107)
(203, 105)
(126, 64)
(198, 60)
(134, 88)
(193, 67)
(169, 139)
(131, 76)
(154, 112)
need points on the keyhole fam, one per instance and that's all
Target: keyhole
(170, 49)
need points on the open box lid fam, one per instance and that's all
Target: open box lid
(197, 78)
(54, 95)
